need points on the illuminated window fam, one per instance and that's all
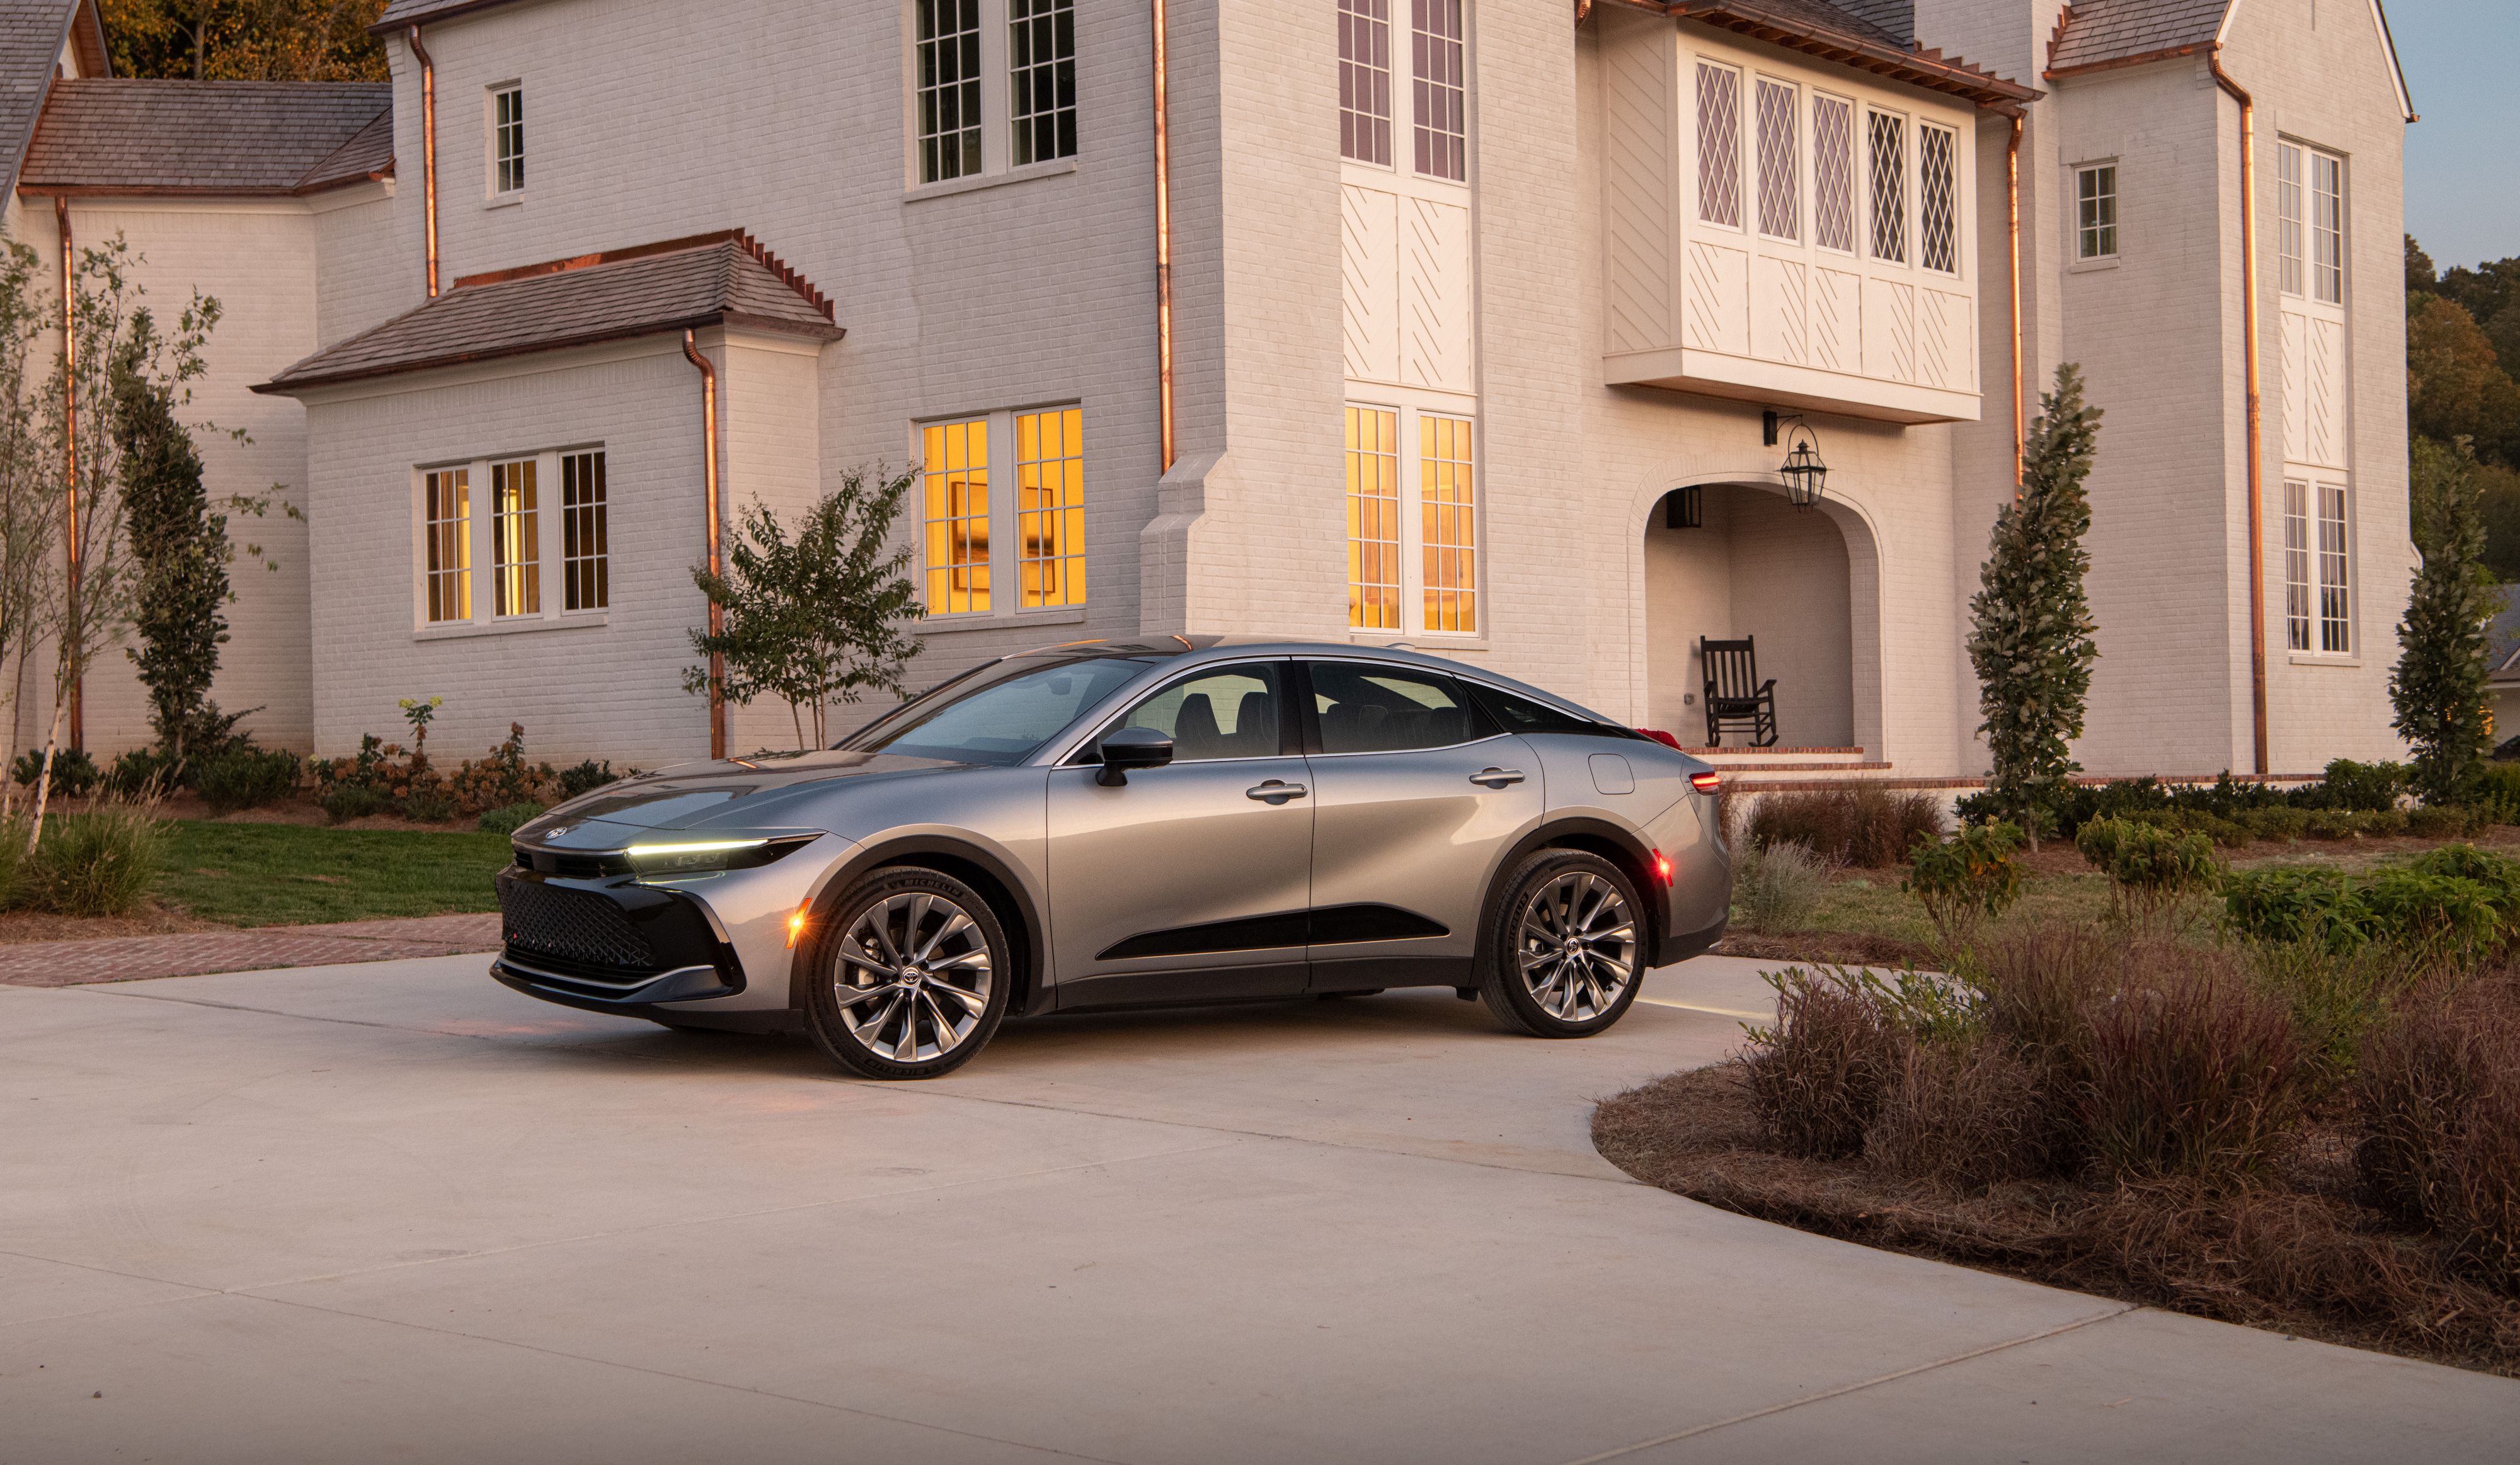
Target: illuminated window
(1889, 138)
(446, 516)
(1781, 207)
(1041, 46)
(1374, 518)
(1834, 173)
(2095, 212)
(2288, 216)
(1718, 145)
(516, 559)
(1050, 506)
(956, 470)
(508, 140)
(949, 89)
(1447, 513)
(2296, 536)
(1365, 80)
(1435, 64)
(1937, 187)
(2335, 612)
(585, 558)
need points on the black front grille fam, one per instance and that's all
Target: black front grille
(579, 927)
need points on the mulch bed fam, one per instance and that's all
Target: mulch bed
(1827, 948)
(2300, 1258)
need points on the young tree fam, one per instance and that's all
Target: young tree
(179, 553)
(817, 619)
(2030, 625)
(31, 488)
(2439, 686)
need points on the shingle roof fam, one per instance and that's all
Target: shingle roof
(401, 12)
(1896, 19)
(31, 32)
(714, 280)
(1858, 32)
(222, 137)
(2109, 32)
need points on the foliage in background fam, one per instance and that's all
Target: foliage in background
(245, 40)
(1967, 880)
(179, 553)
(503, 779)
(2462, 362)
(2031, 627)
(73, 773)
(583, 777)
(2439, 685)
(245, 778)
(819, 619)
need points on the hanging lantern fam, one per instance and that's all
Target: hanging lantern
(1806, 476)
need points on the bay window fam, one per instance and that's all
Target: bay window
(512, 540)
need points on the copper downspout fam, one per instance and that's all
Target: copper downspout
(427, 152)
(1163, 244)
(716, 566)
(2013, 226)
(2249, 352)
(70, 449)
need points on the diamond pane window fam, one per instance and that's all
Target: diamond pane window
(1937, 230)
(1781, 209)
(2327, 226)
(1365, 80)
(1435, 64)
(1050, 506)
(1448, 532)
(1889, 138)
(1834, 173)
(955, 472)
(585, 551)
(1718, 145)
(1374, 518)
(517, 549)
(949, 89)
(2296, 539)
(447, 519)
(508, 140)
(1041, 62)
(2335, 615)
(2096, 212)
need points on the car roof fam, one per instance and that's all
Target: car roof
(1178, 652)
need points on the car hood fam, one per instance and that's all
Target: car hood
(753, 795)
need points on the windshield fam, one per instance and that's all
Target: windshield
(1001, 717)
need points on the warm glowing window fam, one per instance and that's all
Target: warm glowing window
(2335, 607)
(1448, 515)
(1374, 518)
(956, 470)
(1936, 200)
(1041, 58)
(1435, 66)
(1050, 506)
(1834, 173)
(585, 558)
(1781, 209)
(446, 516)
(516, 559)
(1889, 139)
(2095, 212)
(1718, 145)
(508, 140)
(2296, 536)
(949, 89)
(1365, 80)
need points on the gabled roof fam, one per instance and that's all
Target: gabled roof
(32, 36)
(724, 278)
(2097, 34)
(1860, 33)
(132, 136)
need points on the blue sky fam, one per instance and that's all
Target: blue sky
(2463, 187)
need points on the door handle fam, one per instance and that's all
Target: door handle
(1497, 778)
(1275, 791)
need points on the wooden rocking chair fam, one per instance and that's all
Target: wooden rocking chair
(1736, 697)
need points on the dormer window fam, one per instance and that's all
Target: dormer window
(507, 139)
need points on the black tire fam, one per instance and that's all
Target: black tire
(896, 1025)
(1578, 987)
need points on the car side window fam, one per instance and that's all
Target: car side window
(1523, 715)
(1365, 708)
(1232, 712)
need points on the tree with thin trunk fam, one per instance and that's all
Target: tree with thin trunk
(2030, 636)
(2439, 685)
(30, 487)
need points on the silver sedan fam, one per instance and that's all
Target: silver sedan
(1107, 825)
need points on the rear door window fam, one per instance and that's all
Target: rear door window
(1367, 708)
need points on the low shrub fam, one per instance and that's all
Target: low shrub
(2275, 824)
(246, 778)
(2443, 822)
(501, 777)
(427, 804)
(1966, 1114)
(510, 820)
(2439, 1097)
(2380, 823)
(138, 772)
(2492, 794)
(2150, 869)
(1778, 887)
(2331, 825)
(1816, 1076)
(2318, 907)
(2191, 1071)
(101, 862)
(1965, 880)
(349, 801)
(1856, 824)
(2356, 787)
(2433, 917)
(586, 777)
(74, 773)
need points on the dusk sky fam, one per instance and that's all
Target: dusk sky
(2462, 188)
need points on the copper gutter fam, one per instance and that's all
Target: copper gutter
(2013, 226)
(2249, 353)
(70, 449)
(716, 565)
(1163, 244)
(428, 151)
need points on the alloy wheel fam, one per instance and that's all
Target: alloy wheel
(912, 978)
(1576, 945)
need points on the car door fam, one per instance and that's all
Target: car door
(1191, 880)
(1418, 795)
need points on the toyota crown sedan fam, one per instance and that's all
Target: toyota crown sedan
(1100, 825)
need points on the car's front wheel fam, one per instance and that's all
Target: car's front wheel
(1567, 952)
(909, 975)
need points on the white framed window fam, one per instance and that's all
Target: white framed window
(1439, 89)
(507, 108)
(966, 526)
(512, 545)
(2327, 226)
(1041, 63)
(446, 531)
(2288, 218)
(585, 533)
(948, 88)
(2335, 571)
(1833, 172)
(1365, 81)
(1938, 244)
(1413, 536)
(1780, 199)
(1718, 145)
(2297, 582)
(2095, 212)
(516, 541)
(1886, 135)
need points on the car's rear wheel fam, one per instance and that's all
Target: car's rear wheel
(909, 976)
(1567, 952)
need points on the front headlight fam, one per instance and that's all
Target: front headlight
(690, 857)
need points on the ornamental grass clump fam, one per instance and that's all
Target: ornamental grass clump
(1967, 1113)
(1778, 887)
(1860, 825)
(2438, 1093)
(2188, 1071)
(1965, 880)
(101, 862)
(1815, 1078)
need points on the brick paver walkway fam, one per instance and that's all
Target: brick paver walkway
(191, 954)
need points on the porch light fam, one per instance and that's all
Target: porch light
(1804, 475)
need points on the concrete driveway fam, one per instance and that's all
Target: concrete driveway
(395, 1211)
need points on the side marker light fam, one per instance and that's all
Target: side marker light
(797, 924)
(1662, 867)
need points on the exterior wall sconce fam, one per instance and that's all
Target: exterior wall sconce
(1806, 476)
(1683, 509)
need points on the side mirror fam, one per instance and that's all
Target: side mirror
(1132, 748)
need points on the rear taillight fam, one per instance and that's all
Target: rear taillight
(1704, 783)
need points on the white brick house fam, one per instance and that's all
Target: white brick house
(1477, 312)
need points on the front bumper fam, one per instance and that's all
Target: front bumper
(610, 944)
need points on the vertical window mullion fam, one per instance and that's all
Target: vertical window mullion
(1374, 518)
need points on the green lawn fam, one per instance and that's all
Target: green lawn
(302, 874)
